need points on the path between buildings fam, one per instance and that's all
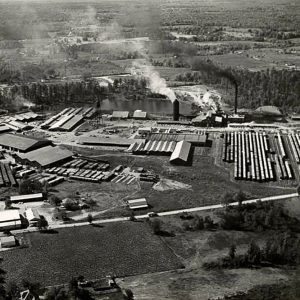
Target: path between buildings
(162, 214)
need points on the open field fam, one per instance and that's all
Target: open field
(195, 283)
(122, 249)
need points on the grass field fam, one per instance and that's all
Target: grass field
(195, 283)
(122, 249)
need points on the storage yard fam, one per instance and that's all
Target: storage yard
(262, 157)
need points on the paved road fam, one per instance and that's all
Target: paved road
(162, 214)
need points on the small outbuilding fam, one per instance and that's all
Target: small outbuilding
(7, 241)
(137, 203)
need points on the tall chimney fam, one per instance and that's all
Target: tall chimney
(236, 99)
(175, 110)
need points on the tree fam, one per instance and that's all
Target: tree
(8, 204)
(33, 287)
(54, 200)
(298, 189)
(13, 290)
(30, 186)
(2, 281)
(42, 223)
(227, 199)
(209, 223)
(198, 223)
(253, 253)
(90, 218)
(240, 197)
(156, 226)
(232, 251)
(55, 293)
(128, 294)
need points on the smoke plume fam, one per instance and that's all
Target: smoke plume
(20, 102)
(155, 83)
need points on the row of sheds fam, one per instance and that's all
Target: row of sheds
(180, 151)
(137, 114)
(153, 147)
(68, 119)
(6, 175)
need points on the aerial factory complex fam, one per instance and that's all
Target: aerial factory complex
(149, 150)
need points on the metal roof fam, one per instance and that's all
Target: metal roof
(137, 203)
(181, 151)
(21, 198)
(9, 215)
(140, 114)
(69, 125)
(47, 156)
(120, 114)
(22, 142)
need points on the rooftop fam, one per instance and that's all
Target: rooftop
(22, 142)
(47, 155)
(9, 215)
(181, 152)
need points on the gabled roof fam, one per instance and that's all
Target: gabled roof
(181, 152)
(22, 142)
(137, 203)
(47, 156)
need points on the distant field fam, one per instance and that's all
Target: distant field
(122, 249)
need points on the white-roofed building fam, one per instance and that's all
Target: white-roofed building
(137, 203)
(32, 215)
(10, 219)
(7, 241)
(181, 153)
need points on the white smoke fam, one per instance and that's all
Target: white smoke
(20, 102)
(155, 83)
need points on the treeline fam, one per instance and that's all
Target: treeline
(266, 87)
(258, 216)
(54, 94)
(281, 249)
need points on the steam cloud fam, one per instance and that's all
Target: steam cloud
(20, 102)
(155, 83)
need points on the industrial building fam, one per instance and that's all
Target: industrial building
(21, 143)
(120, 114)
(4, 128)
(7, 241)
(193, 138)
(107, 141)
(45, 157)
(181, 153)
(32, 215)
(10, 219)
(18, 126)
(27, 198)
(139, 115)
(6, 175)
(27, 117)
(68, 119)
(137, 203)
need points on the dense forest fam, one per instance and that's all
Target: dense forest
(266, 87)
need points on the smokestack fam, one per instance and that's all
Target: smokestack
(236, 98)
(175, 110)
